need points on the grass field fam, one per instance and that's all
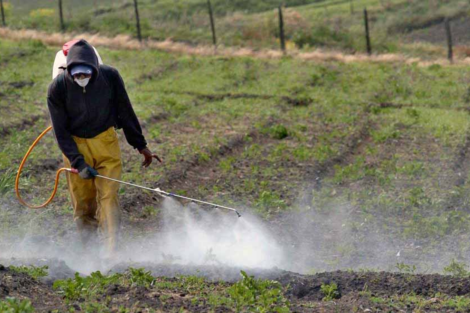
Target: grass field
(365, 165)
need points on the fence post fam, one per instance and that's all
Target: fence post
(366, 22)
(351, 6)
(211, 15)
(450, 53)
(3, 14)
(137, 18)
(281, 30)
(61, 15)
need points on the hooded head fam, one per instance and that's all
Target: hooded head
(82, 53)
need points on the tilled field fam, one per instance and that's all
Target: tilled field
(356, 292)
(361, 168)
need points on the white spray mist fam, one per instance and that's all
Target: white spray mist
(190, 235)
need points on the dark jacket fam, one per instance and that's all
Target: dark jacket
(87, 112)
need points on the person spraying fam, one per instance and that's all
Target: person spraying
(87, 102)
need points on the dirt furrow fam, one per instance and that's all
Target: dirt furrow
(158, 73)
(378, 283)
(219, 97)
(178, 178)
(461, 168)
(17, 84)
(386, 105)
(353, 144)
(21, 125)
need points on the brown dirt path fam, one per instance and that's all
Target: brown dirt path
(126, 42)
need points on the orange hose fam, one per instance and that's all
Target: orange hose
(17, 182)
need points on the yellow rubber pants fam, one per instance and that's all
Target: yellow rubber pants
(95, 201)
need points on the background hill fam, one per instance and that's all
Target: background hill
(336, 24)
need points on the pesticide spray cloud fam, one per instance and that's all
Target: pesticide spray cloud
(190, 235)
(187, 235)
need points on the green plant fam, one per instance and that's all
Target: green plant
(405, 268)
(269, 200)
(150, 211)
(226, 164)
(7, 181)
(457, 269)
(386, 133)
(460, 303)
(279, 131)
(33, 271)
(13, 305)
(413, 113)
(256, 295)
(192, 283)
(330, 291)
(85, 287)
(418, 198)
(96, 307)
(353, 171)
(140, 277)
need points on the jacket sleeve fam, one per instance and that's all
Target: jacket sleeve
(126, 115)
(59, 119)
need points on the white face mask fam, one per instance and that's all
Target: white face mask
(82, 82)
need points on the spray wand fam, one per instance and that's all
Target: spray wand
(164, 193)
(157, 190)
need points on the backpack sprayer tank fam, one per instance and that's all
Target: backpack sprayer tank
(60, 62)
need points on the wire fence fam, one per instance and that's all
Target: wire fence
(197, 21)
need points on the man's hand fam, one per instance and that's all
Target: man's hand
(88, 172)
(149, 156)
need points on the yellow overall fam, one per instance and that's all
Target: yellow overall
(95, 201)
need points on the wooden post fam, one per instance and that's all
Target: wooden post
(61, 15)
(211, 15)
(351, 6)
(450, 53)
(139, 34)
(366, 22)
(281, 30)
(3, 14)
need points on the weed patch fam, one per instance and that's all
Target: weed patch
(13, 305)
(33, 271)
(256, 295)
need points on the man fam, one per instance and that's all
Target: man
(86, 103)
